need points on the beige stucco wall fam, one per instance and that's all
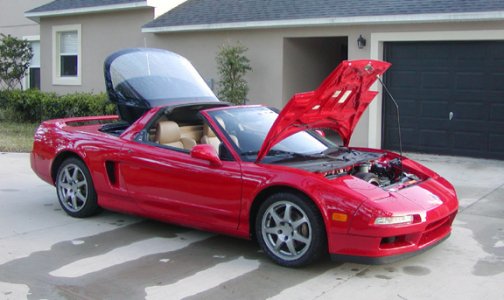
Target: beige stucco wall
(267, 56)
(307, 61)
(101, 34)
(104, 33)
(13, 21)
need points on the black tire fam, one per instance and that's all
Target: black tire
(75, 189)
(293, 240)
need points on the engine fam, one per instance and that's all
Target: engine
(379, 171)
(378, 168)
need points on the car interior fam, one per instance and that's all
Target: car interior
(185, 128)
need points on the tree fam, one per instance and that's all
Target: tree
(15, 56)
(232, 66)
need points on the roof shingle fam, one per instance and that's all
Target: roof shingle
(74, 4)
(198, 12)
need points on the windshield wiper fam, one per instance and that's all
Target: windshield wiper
(332, 150)
(275, 152)
(335, 153)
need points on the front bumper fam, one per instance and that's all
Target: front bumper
(393, 244)
(433, 202)
(380, 260)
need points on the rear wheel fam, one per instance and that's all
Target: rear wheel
(75, 189)
(290, 230)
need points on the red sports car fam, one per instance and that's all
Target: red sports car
(177, 154)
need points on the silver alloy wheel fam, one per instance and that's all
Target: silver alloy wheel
(72, 188)
(286, 230)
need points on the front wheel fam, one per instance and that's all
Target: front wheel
(290, 230)
(75, 189)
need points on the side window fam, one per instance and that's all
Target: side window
(67, 55)
(209, 137)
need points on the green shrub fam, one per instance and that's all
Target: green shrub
(37, 106)
(233, 65)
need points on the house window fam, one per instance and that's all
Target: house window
(34, 70)
(66, 55)
(32, 77)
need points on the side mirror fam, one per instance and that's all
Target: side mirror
(206, 152)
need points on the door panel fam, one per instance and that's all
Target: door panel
(172, 186)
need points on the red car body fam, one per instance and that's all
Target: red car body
(198, 189)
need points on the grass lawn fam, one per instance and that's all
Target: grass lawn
(16, 137)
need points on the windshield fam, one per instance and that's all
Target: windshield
(247, 127)
(157, 76)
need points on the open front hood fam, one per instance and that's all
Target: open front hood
(336, 104)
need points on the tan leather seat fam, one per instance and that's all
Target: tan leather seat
(168, 133)
(210, 138)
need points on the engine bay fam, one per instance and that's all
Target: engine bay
(375, 168)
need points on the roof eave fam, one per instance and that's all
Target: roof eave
(35, 16)
(361, 20)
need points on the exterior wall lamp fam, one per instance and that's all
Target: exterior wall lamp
(361, 42)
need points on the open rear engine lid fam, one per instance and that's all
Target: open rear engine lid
(138, 79)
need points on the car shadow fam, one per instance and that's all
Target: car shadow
(128, 278)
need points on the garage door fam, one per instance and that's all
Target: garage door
(451, 97)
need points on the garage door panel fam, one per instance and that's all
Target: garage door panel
(435, 138)
(433, 56)
(409, 135)
(433, 124)
(496, 81)
(469, 111)
(497, 52)
(470, 141)
(497, 113)
(496, 143)
(469, 96)
(468, 52)
(406, 53)
(431, 109)
(407, 79)
(436, 80)
(408, 106)
(471, 81)
(462, 78)
(496, 64)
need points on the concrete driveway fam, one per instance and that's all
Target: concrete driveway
(45, 254)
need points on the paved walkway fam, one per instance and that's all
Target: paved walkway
(45, 254)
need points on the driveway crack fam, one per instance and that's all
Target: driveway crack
(481, 198)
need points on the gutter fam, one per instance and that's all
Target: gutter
(35, 16)
(337, 21)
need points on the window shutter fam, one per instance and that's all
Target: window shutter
(68, 42)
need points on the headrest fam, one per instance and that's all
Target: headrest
(207, 131)
(167, 132)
